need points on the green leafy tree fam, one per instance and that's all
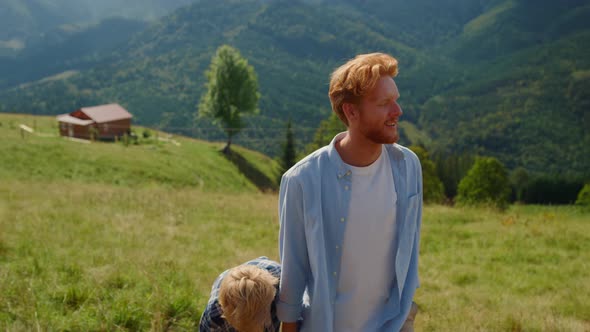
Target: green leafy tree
(519, 178)
(327, 129)
(289, 153)
(433, 189)
(486, 183)
(232, 90)
(584, 196)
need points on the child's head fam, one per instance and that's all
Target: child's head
(245, 295)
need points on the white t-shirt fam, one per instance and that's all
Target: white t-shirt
(368, 249)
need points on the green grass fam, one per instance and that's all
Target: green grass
(88, 253)
(192, 163)
(91, 256)
(524, 270)
(103, 257)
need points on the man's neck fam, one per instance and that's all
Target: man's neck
(358, 151)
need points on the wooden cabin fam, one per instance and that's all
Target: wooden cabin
(104, 122)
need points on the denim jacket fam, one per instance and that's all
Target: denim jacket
(313, 209)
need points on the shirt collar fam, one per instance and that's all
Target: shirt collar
(343, 170)
(341, 167)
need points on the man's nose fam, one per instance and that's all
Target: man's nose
(397, 110)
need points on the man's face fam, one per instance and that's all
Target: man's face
(379, 113)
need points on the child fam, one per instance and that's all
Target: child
(243, 299)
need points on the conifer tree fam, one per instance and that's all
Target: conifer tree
(433, 189)
(289, 153)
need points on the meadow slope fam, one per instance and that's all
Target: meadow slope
(136, 248)
(160, 159)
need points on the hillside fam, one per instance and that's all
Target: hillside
(524, 97)
(293, 48)
(26, 23)
(160, 159)
(463, 66)
(77, 48)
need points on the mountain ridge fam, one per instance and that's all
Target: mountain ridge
(294, 46)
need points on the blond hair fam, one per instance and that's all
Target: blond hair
(245, 295)
(351, 81)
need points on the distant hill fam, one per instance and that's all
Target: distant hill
(79, 48)
(523, 91)
(502, 78)
(158, 158)
(28, 22)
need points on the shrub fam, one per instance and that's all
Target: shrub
(146, 133)
(486, 183)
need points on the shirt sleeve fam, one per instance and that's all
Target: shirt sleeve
(211, 321)
(292, 250)
(416, 248)
(417, 179)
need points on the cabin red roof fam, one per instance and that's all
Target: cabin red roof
(73, 120)
(106, 113)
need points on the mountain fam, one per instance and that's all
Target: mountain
(502, 78)
(79, 49)
(522, 93)
(27, 22)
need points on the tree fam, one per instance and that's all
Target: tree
(433, 189)
(451, 168)
(552, 189)
(519, 178)
(486, 183)
(289, 154)
(232, 90)
(327, 129)
(584, 196)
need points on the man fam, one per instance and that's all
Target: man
(243, 299)
(350, 214)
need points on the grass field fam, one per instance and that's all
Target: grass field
(104, 257)
(137, 247)
(527, 269)
(178, 161)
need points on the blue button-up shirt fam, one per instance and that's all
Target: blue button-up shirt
(314, 202)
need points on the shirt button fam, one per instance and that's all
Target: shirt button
(346, 187)
(341, 219)
(334, 273)
(337, 247)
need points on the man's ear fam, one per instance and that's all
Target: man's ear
(350, 111)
